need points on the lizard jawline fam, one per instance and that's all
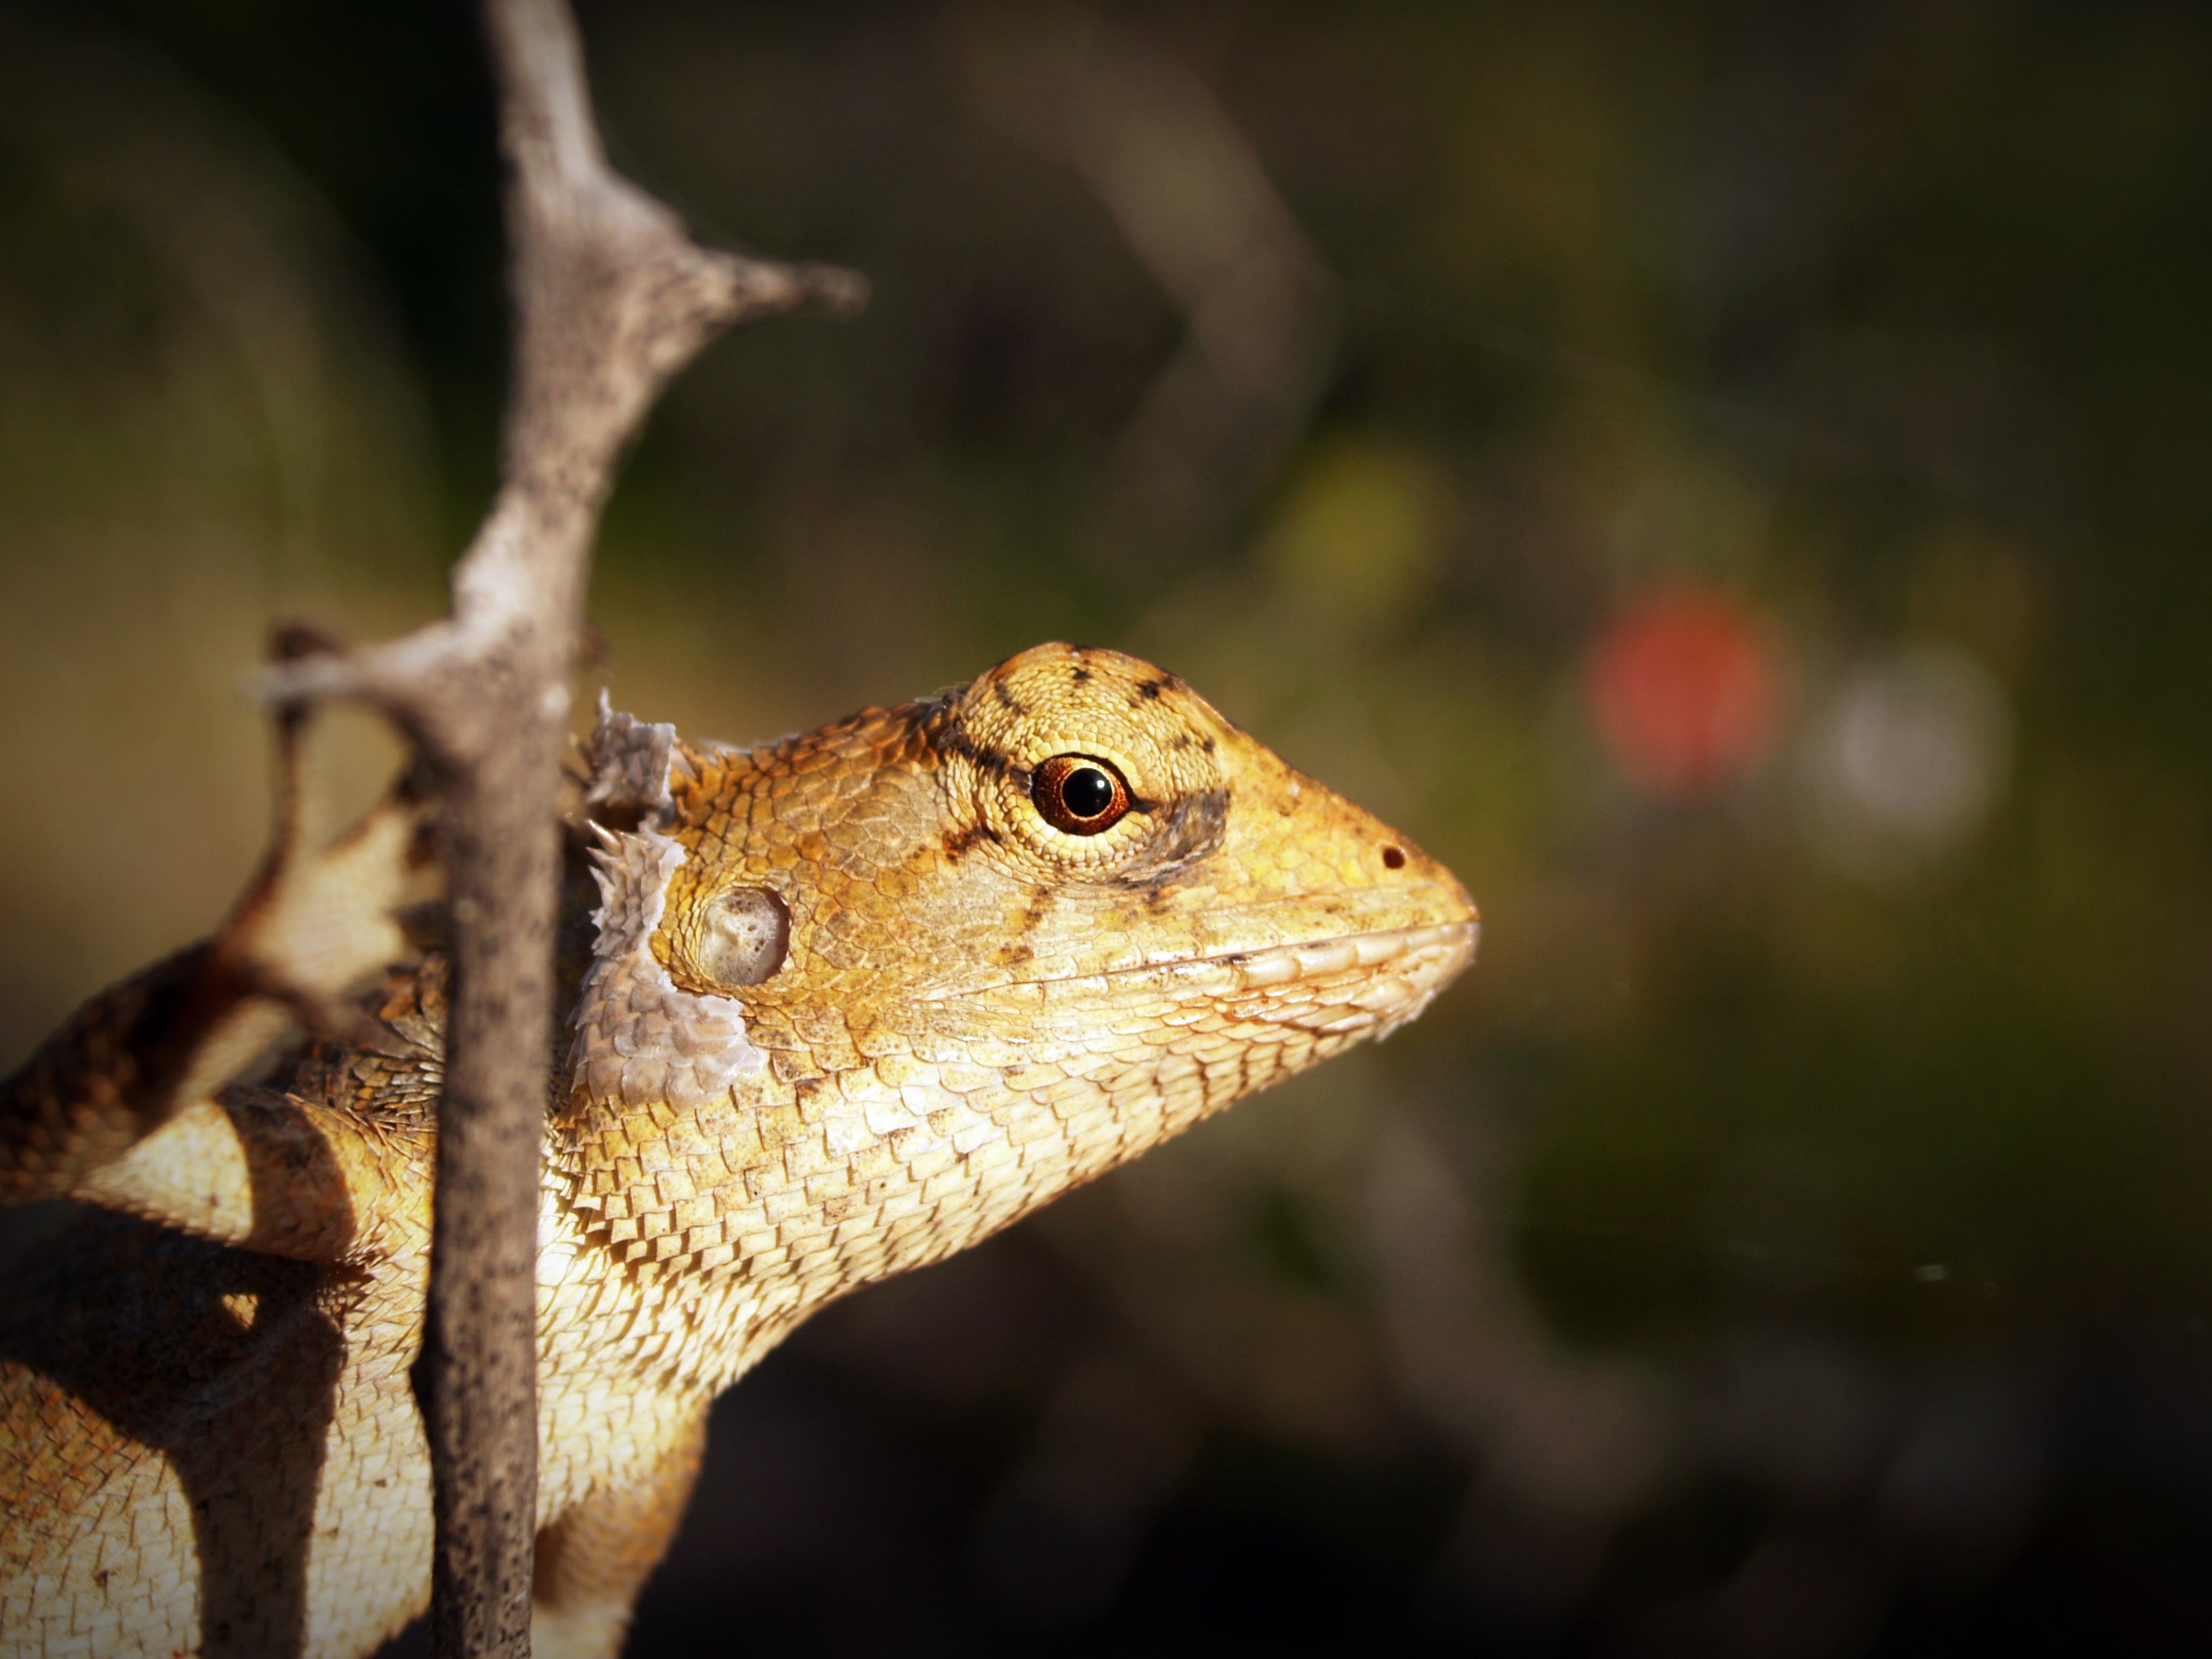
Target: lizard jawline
(1276, 964)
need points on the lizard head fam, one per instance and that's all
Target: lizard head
(1006, 937)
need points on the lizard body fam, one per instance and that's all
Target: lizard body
(847, 1004)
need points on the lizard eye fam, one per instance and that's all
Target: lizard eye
(1079, 794)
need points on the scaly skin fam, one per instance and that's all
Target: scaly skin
(209, 1442)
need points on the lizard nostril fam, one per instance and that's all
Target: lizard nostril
(1394, 858)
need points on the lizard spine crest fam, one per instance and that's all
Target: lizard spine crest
(639, 1035)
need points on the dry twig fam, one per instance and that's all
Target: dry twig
(612, 297)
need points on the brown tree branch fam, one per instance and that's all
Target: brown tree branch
(612, 297)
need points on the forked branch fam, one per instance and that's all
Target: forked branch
(613, 298)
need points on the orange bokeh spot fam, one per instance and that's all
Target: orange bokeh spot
(1684, 697)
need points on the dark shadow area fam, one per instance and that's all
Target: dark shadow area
(848, 1505)
(224, 1362)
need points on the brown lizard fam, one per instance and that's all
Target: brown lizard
(847, 1003)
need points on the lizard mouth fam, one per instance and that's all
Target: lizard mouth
(1402, 967)
(1445, 948)
(1370, 982)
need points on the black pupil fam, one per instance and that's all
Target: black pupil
(1087, 792)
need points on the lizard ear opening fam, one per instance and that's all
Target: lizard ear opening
(746, 937)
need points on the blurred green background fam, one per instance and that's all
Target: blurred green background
(1730, 480)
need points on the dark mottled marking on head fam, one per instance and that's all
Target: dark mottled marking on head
(1149, 690)
(1208, 743)
(1033, 908)
(953, 739)
(1190, 830)
(1081, 675)
(966, 840)
(1006, 700)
